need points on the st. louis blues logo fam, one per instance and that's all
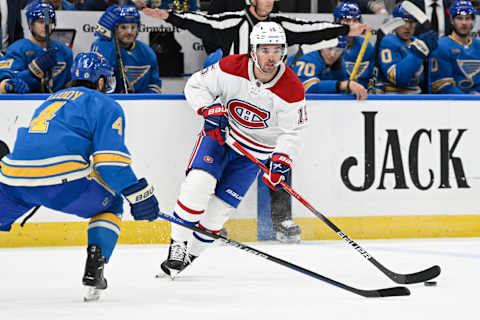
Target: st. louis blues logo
(361, 69)
(247, 115)
(470, 68)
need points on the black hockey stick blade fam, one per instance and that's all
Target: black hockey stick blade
(420, 276)
(388, 292)
(398, 278)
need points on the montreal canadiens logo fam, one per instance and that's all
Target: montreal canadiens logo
(208, 159)
(248, 115)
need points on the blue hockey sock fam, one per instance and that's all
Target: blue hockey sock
(103, 231)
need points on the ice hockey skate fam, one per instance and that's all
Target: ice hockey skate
(288, 231)
(178, 259)
(93, 277)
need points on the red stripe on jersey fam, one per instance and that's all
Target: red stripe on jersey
(197, 144)
(191, 211)
(250, 141)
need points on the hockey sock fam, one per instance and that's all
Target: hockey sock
(200, 242)
(103, 231)
(195, 193)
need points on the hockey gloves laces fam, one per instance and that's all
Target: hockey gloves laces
(280, 165)
(216, 121)
(143, 203)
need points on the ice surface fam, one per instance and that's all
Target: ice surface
(228, 283)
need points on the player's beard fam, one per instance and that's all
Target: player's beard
(461, 34)
(38, 37)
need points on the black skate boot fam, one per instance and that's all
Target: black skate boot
(178, 259)
(93, 276)
(288, 232)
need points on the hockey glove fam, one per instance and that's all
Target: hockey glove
(424, 44)
(216, 121)
(14, 86)
(143, 204)
(43, 63)
(105, 27)
(280, 165)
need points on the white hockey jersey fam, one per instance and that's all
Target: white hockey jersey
(263, 117)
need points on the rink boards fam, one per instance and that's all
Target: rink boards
(388, 167)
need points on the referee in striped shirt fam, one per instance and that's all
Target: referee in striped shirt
(230, 30)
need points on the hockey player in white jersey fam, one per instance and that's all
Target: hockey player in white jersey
(253, 99)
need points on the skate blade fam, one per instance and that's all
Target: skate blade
(163, 274)
(288, 239)
(93, 294)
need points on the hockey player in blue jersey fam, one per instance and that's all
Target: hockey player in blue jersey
(72, 158)
(401, 56)
(139, 61)
(323, 71)
(31, 61)
(455, 64)
(349, 13)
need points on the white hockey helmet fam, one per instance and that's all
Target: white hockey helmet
(268, 32)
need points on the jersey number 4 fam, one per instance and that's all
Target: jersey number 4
(40, 123)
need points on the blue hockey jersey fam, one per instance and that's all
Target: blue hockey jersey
(455, 68)
(315, 75)
(365, 70)
(399, 69)
(140, 63)
(75, 133)
(19, 55)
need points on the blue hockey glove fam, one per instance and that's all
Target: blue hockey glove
(216, 121)
(14, 86)
(105, 27)
(424, 44)
(280, 165)
(43, 63)
(143, 204)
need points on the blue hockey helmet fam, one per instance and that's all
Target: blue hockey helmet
(90, 66)
(37, 11)
(400, 12)
(461, 8)
(347, 10)
(128, 14)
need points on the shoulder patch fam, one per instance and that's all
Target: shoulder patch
(236, 65)
(288, 87)
(6, 64)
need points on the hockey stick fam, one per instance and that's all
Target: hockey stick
(45, 82)
(387, 292)
(385, 29)
(361, 53)
(417, 277)
(120, 63)
(422, 18)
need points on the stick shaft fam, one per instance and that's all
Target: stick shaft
(363, 48)
(120, 63)
(396, 291)
(420, 276)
